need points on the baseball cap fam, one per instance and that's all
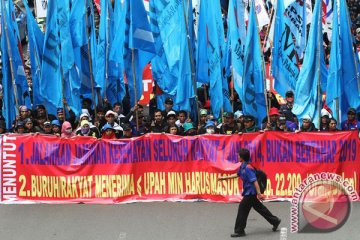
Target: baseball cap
(171, 113)
(126, 127)
(47, 123)
(106, 127)
(209, 124)
(111, 113)
(169, 101)
(203, 112)
(289, 94)
(238, 114)
(357, 30)
(23, 108)
(306, 118)
(249, 118)
(351, 110)
(273, 111)
(187, 126)
(55, 122)
(325, 113)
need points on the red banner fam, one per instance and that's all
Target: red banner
(165, 167)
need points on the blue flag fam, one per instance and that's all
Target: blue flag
(51, 83)
(284, 64)
(16, 75)
(36, 43)
(342, 84)
(312, 72)
(115, 90)
(185, 88)
(70, 73)
(253, 91)
(237, 38)
(164, 28)
(102, 62)
(82, 20)
(139, 48)
(9, 111)
(211, 25)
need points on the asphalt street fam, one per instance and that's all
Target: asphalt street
(156, 220)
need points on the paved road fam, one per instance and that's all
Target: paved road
(159, 220)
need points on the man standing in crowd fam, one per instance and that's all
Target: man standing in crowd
(286, 108)
(351, 123)
(158, 125)
(251, 196)
(229, 126)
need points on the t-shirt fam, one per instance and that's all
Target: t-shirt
(247, 174)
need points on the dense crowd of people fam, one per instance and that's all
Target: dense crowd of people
(109, 122)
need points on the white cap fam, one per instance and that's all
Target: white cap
(325, 112)
(171, 113)
(111, 113)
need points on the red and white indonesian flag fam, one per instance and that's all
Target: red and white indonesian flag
(261, 13)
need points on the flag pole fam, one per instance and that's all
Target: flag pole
(318, 67)
(10, 56)
(87, 3)
(135, 87)
(191, 57)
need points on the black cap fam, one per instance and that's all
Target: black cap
(126, 127)
(169, 101)
(352, 110)
(248, 118)
(289, 94)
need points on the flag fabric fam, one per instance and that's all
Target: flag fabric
(36, 43)
(284, 62)
(51, 82)
(16, 75)
(115, 90)
(237, 38)
(103, 44)
(185, 88)
(70, 73)
(139, 47)
(9, 111)
(334, 87)
(59, 75)
(298, 14)
(211, 26)
(174, 43)
(82, 20)
(165, 63)
(306, 90)
(253, 91)
(343, 76)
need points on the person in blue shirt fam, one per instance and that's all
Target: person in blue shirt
(351, 123)
(251, 196)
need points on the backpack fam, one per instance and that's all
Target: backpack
(261, 178)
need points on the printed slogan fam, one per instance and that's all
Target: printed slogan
(159, 167)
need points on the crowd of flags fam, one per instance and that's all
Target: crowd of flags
(187, 45)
